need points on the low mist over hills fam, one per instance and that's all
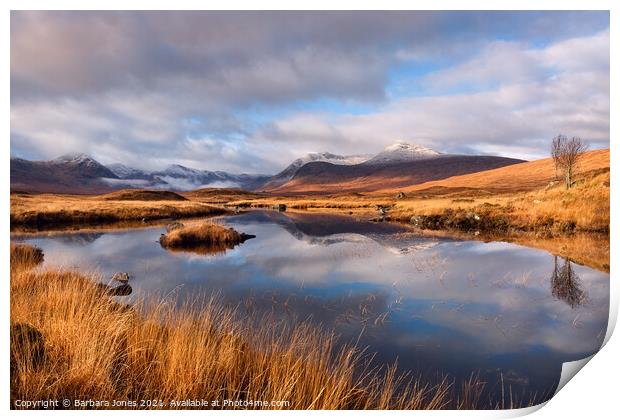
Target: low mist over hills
(400, 164)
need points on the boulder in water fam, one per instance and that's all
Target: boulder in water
(121, 277)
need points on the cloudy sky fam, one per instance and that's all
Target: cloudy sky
(249, 92)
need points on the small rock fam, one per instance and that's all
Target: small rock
(246, 236)
(122, 290)
(415, 220)
(472, 215)
(121, 277)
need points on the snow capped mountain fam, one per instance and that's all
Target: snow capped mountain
(331, 158)
(402, 152)
(180, 171)
(78, 172)
(81, 165)
(182, 178)
(289, 172)
(73, 157)
(68, 173)
(126, 172)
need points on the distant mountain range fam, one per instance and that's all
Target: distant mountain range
(289, 172)
(80, 173)
(399, 164)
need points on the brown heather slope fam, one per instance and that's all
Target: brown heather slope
(525, 176)
(143, 195)
(75, 176)
(324, 178)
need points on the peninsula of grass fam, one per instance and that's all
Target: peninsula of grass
(205, 237)
(43, 211)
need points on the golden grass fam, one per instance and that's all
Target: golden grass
(70, 340)
(554, 209)
(584, 207)
(512, 201)
(204, 237)
(515, 197)
(573, 223)
(518, 194)
(25, 256)
(525, 176)
(49, 210)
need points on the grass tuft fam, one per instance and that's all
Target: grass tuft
(206, 237)
(25, 256)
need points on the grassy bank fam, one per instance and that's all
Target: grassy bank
(496, 201)
(52, 210)
(202, 237)
(70, 340)
(551, 210)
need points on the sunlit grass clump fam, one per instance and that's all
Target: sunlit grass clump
(25, 256)
(202, 237)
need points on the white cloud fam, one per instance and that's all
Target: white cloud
(174, 89)
(543, 94)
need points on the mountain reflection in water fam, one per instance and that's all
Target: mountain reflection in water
(438, 306)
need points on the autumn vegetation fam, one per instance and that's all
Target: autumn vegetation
(202, 237)
(42, 211)
(70, 340)
(525, 202)
(520, 198)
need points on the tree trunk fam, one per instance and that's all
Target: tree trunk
(569, 176)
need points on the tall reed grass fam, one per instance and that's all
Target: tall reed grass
(70, 340)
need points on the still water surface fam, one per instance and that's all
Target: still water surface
(506, 312)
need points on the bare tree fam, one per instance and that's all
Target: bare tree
(566, 154)
(556, 148)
